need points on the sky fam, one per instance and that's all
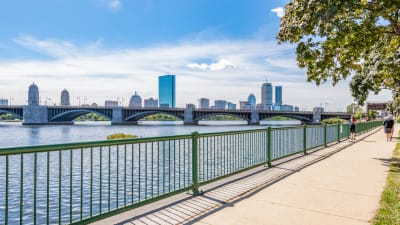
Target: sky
(107, 49)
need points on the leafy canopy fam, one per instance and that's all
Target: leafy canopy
(337, 39)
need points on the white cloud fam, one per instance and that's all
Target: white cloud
(56, 48)
(221, 64)
(239, 68)
(114, 4)
(280, 12)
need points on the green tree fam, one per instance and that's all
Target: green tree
(354, 38)
(372, 114)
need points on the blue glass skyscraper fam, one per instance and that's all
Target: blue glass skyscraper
(278, 95)
(252, 101)
(266, 96)
(166, 91)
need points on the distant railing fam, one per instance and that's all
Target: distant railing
(84, 182)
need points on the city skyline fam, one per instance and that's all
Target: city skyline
(125, 46)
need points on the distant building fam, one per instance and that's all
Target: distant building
(318, 109)
(252, 101)
(166, 91)
(231, 105)
(190, 106)
(296, 109)
(65, 97)
(204, 103)
(278, 95)
(33, 95)
(164, 105)
(110, 103)
(3, 101)
(94, 104)
(151, 103)
(276, 108)
(220, 104)
(259, 107)
(244, 105)
(286, 108)
(266, 96)
(135, 101)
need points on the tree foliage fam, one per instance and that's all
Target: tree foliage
(339, 39)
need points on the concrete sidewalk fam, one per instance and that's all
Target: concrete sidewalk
(342, 189)
(340, 184)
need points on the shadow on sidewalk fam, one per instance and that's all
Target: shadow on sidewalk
(385, 161)
(395, 165)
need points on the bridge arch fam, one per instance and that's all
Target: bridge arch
(304, 120)
(17, 115)
(69, 116)
(141, 115)
(201, 117)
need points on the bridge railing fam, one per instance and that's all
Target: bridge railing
(83, 182)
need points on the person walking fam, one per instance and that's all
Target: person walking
(388, 127)
(352, 123)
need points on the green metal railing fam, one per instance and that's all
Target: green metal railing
(83, 182)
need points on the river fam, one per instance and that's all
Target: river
(62, 184)
(15, 134)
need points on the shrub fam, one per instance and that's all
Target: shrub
(120, 136)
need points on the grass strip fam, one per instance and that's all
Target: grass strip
(389, 211)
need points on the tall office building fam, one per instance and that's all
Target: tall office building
(252, 101)
(266, 96)
(166, 91)
(151, 103)
(33, 95)
(135, 101)
(65, 97)
(278, 95)
(204, 103)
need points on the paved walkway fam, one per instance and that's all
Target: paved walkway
(340, 184)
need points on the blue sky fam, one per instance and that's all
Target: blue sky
(108, 49)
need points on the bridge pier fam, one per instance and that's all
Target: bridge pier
(316, 117)
(35, 115)
(254, 118)
(188, 116)
(117, 118)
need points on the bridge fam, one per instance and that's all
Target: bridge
(39, 115)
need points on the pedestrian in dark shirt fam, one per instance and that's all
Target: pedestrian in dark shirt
(388, 127)
(352, 123)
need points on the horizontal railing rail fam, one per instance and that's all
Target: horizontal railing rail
(83, 182)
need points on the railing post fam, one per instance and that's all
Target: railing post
(195, 169)
(325, 136)
(269, 146)
(305, 139)
(338, 132)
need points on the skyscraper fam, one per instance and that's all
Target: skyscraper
(33, 95)
(166, 91)
(252, 101)
(135, 101)
(266, 96)
(278, 95)
(65, 97)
